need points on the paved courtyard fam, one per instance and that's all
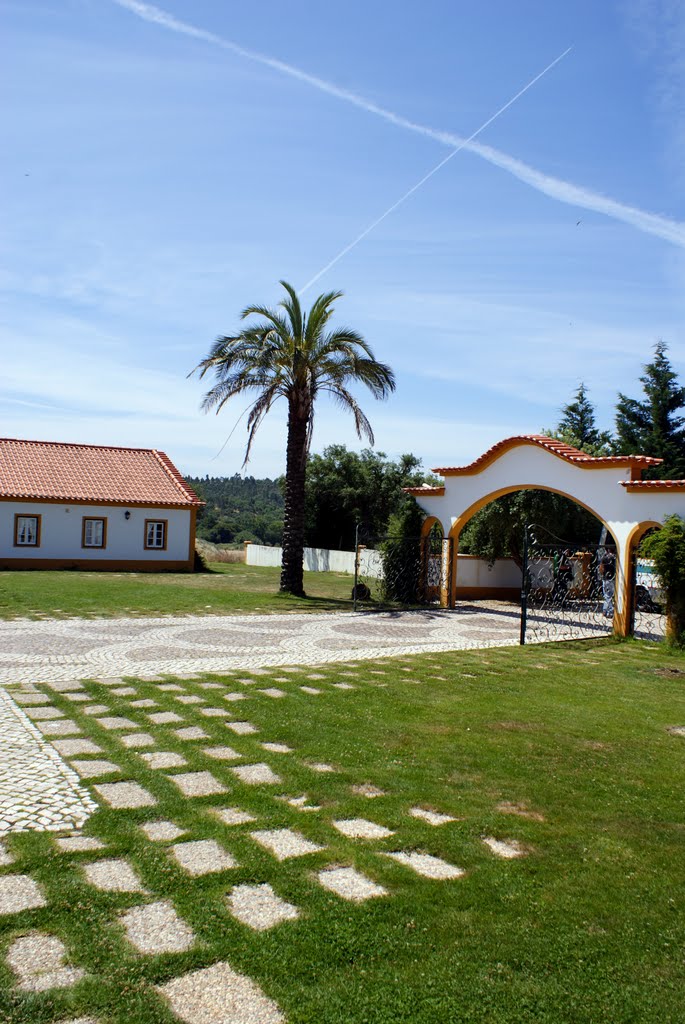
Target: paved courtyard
(51, 650)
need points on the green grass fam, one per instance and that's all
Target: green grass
(228, 590)
(588, 927)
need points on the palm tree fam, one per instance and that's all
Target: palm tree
(295, 356)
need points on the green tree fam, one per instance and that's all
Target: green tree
(577, 426)
(295, 356)
(497, 530)
(347, 488)
(667, 547)
(652, 425)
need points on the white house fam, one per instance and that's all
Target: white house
(93, 507)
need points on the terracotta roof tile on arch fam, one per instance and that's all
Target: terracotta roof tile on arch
(550, 444)
(53, 471)
(653, 485)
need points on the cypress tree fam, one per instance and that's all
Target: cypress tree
(652, 426)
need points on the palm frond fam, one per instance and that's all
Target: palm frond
(294, 310)
(348, 402)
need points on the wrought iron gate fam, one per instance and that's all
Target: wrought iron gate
(648, 618)
(407, 572)
(568, 590)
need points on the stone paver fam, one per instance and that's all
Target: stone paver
(350, 884)
(259, 907)
(284, 843)
(202, 857)
(255, 774)
(242, 728)
(164, 717)
(67, 748)
(431, 817)
(233, 815)
(6, 857)
(161, 831)
(197, 784)
(277, 748)
(191, 732)
(91, 769)
(156, 928)
(427, 865)
(219, 995)
(113, 875)
(79, 844)
(221, 753)
(368, 790)
(360, 828)
(125, 795)
(137, 739)
(38, 961)
(19, 892)
(164, 759)
(44, 713)
(61, 727)
(116, 722)
(509, 848)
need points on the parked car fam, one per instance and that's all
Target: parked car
(649, 594)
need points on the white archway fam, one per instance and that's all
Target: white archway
(610, 487)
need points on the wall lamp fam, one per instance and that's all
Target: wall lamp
(127, 514)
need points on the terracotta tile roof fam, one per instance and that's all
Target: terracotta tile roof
(550, 444)
(91, 473)
(425, 489)
(654, 485)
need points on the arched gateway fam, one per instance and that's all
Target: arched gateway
(610, 487)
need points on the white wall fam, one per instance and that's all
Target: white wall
(471, 571)
(61, 525)
(475, 572)
(318, 559)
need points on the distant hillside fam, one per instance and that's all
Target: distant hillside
(239, 508)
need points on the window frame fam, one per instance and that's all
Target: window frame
(94, 519)
(27, 515)
(156, 547)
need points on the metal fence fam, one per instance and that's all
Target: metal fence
(406, 572)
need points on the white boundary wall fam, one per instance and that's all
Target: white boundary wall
(471, 571)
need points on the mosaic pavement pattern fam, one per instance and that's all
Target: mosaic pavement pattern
(238, 792)
(72, 648)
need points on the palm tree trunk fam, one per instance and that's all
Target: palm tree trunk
(293, 515)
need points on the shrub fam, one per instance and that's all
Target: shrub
(667, 549)
(401, 552)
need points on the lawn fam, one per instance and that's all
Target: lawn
(562, 751)
(229, 589)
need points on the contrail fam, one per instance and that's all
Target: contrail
(434, 170)
(556, 188)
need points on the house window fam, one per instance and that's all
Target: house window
(94, 533)
(27, 531)
(155, 534)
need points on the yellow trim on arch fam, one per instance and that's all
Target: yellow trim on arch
(620, 621)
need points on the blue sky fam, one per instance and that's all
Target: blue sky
(165, 166)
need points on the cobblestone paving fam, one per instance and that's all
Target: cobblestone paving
(37, 789)
(77, 648)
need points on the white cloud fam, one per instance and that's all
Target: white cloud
(556, 188)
